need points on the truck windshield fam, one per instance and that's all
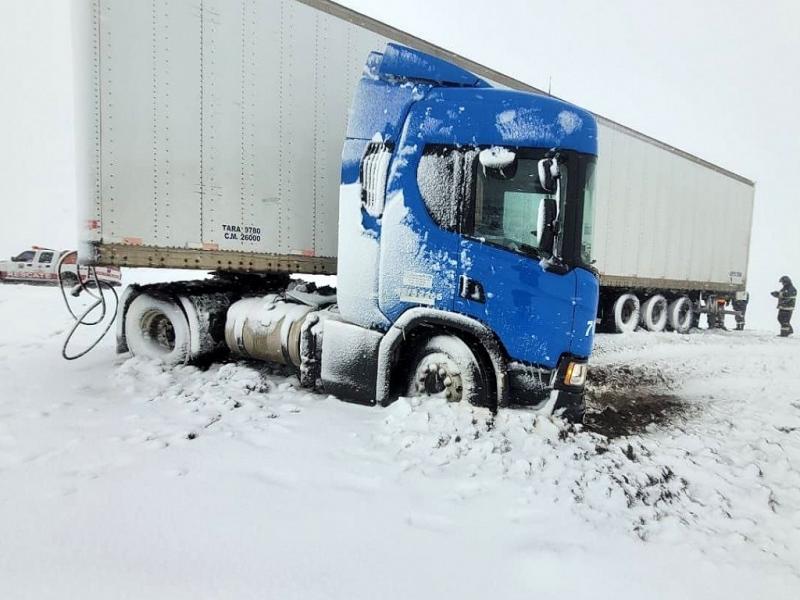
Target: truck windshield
(507, 208)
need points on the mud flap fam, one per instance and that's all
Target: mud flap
(569, 405)
(350, 361)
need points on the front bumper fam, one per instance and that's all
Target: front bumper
(570, 405)
(545, 389)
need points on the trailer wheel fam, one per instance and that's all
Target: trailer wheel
(681, 315)
(157, 329)
(627, 309)
(445, 366)
(654, 313)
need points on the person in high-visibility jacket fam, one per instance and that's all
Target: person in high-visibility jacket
(787, 297)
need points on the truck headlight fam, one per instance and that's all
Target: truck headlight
(576, 374)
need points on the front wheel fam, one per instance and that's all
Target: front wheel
(446, 367)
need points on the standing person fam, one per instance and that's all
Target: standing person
(786, 301)
(716, 318)
(740, 306)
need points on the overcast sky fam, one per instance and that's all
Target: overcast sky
(718, 78)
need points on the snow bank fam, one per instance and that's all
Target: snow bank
(120, 478)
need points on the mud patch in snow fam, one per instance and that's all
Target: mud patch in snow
(627, 399)
(627, 376)
(618, 414)
(552, 460)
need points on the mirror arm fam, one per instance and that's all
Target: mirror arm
(554, 265)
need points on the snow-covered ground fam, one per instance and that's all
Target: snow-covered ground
(122, 479)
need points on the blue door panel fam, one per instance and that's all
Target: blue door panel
(586, 299)
(531, 310)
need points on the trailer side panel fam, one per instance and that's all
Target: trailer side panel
(666, 222)
(214, 129)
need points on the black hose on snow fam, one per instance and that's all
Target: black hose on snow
(85, 318)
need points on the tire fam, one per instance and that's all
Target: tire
(680, 313)
(445, 366)
(654, 313)
(157, 329)
(69, 280)
(627, 309)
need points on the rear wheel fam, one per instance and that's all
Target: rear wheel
(654, 313)
(157, 329)
(69, 280)
(627, 309)
(680, 313)
(446, 367)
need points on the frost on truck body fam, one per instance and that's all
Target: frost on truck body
(359, 250)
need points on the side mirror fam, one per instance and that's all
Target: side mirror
(548, 174)
(498, 162)
(545, 230)
(496, 157)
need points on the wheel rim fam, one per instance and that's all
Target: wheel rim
(683, 315)
(437, 374)
(658, 311)
(159, 331)
(656, 315)
(627, 311)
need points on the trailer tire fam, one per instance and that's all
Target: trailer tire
(445, 365)
(157, 329)
(654, 313)
(627, 309)
(681, 315)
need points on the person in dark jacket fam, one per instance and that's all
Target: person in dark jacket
(786, 302)
(740, 306)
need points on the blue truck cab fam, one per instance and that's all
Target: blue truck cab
(464, 241)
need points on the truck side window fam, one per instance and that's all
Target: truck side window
(438, 173)
(506, 210)
(46, 257)
(26, 256)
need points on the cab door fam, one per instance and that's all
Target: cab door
(529, 309)
(44, 265)
(503, 282)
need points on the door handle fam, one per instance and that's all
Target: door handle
(471, 289)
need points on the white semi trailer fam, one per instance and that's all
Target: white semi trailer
(460, 208)
(212, 134)
(671, 233)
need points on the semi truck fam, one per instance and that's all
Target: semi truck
(460, 209)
